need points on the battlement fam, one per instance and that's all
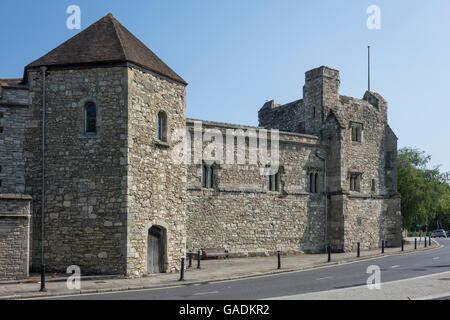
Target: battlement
(322, 71)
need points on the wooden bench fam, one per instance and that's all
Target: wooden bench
(214, 253)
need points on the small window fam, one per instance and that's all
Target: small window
(162, 126)
(373, 185)
(211, 177)
(204, 171)
(314, 182)
(356, 131)
(90, 111)
(1, 115)
(208, 181)
(1, 129)
(274, 182)
(355, 182)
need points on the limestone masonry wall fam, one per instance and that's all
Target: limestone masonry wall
(156, 183)
(241, 215)
(14, 236)
(85, 191)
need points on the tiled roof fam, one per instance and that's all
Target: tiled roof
(106, 41)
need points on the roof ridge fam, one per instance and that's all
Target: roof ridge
(114, 22)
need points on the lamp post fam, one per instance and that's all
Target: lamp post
(44, 74)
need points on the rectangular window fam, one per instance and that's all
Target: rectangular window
(208, 181)
(204, 176)
(373, 185)
(274, 182)
(356, 131)
(355, 182)
(314, 182)
(211, 178)
(1, 129)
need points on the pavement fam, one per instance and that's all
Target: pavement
(210, 271)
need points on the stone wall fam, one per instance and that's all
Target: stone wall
(86, 185)
(14, 236)
(13, 118)
(242, 216)
(156, 183)
(327, 114)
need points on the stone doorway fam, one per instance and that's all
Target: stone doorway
(156, 248)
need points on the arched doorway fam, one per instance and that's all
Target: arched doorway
(156, 248)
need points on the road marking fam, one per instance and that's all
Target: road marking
(324, 278)
(311, 268)
(436, 258)
(396, 266)
(202, 293)
(359, 287)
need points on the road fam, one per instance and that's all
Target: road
(349, 275)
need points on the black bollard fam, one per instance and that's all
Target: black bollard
(429, 240)
(425, 238)
(182, 270)
(279, 259)
(415, 243)
(403, 245)
(43, 289)
(382, 246)
(359, 250)
(190, 260)
(329, 253)
(198, 259)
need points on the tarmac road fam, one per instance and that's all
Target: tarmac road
(349, 275)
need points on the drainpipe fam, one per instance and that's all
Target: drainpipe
(43, 289)
(326, 197)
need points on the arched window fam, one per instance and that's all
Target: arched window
(161, 123)
(90, 116)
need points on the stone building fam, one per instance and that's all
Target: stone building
(117, 201)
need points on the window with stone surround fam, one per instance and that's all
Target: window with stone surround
(208, 180)
(161, 126)
(273, 183)
(313, 182)
(90, 118)
(355, 181)
(356, 131)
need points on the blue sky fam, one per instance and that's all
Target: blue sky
(235, 55)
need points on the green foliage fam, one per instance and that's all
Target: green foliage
(425, 192)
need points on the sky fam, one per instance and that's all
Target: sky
(236, 55)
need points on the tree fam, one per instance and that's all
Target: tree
(425, 192)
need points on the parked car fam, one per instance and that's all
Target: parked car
(439, 233)
(448, 233)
